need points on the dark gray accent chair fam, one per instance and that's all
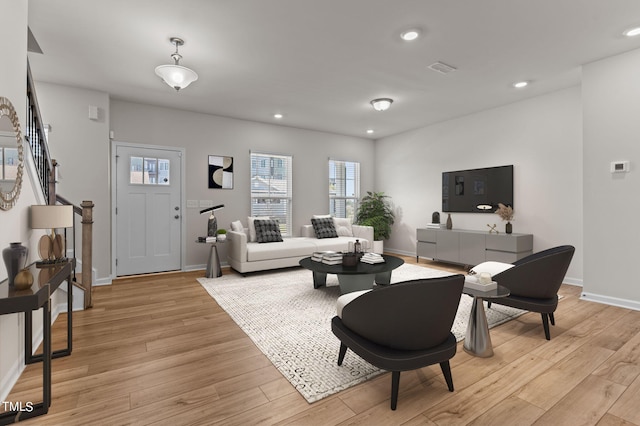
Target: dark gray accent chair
(402, 327)
(534, 282)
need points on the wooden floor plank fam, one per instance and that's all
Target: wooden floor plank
(157, 349)
(586, 404)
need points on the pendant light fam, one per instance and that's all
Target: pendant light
(176, 75)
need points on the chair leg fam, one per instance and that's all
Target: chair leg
(343, 351)
(545, 324)
(446, 370)
(488, 304)
(553, 320)
(395, 386)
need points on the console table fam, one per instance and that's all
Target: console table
(46, 280)
(471, 247)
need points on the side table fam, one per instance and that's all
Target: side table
(47, 279)
(477, 340)
(213, 264)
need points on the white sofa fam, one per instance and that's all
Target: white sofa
(245, 256)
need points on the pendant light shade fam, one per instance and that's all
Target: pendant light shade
(176, 75)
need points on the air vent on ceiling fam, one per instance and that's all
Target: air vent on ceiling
(441, 67)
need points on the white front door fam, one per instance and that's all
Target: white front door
(148, 211)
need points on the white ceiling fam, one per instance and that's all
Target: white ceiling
(320, 62)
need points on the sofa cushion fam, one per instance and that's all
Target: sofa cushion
(324, 228)
(252, 227)
(288, 248)
(343, 226)
(333, 244)
(267, 231)
(237, 226)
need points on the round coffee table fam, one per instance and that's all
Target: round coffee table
(353, 278)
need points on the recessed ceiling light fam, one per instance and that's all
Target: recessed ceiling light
(632, 32)
(521, 84)
(278, 116)
(369, 131)
(410, 35)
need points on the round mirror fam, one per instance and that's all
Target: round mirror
(11, 155)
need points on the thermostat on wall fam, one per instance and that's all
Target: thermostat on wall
(619, 166)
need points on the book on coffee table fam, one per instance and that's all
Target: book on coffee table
(473, 282)
(372, 258)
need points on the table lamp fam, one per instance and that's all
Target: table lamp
(51, 247)
(212, 224)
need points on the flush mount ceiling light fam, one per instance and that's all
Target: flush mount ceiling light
(370, 131)
(520, 84)
(176, 75)
(632, 32)
(278, 116)
(381, 104)
(410, 35)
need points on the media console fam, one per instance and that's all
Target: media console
(471, 247)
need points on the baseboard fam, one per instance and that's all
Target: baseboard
(190, 268)
(202, 267)
(613, 301)
(103, 281)
(400, 252)
(573, 281)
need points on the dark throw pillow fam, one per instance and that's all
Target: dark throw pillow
(267, 231)
(324, 228)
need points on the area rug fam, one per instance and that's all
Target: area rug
(290, 322)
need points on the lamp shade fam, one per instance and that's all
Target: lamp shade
(176, 76)
(51, 217)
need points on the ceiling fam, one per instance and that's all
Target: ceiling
(320, 62)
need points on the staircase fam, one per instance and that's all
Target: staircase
(45, 167)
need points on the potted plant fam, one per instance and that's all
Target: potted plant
(221, 234)
(375, 210)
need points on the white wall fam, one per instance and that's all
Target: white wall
(81, 147)
(541, 137)
(611, 108)
(202, 135)
(14, 223)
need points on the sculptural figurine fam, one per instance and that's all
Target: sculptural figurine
(435, 217)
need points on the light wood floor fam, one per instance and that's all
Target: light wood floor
(158, 350)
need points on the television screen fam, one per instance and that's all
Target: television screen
(477, 190)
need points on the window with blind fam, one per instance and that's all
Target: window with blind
(344, 188)
(271, 188)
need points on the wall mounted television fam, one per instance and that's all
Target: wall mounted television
(477, 190)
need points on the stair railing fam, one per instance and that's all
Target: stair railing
(46, 170)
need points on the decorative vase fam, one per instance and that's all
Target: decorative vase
(449, 222)
(221, 237)
(508, 228)
(23, 280)
(15, 259)
(212, 226)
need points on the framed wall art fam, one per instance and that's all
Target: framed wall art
(220, 172)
